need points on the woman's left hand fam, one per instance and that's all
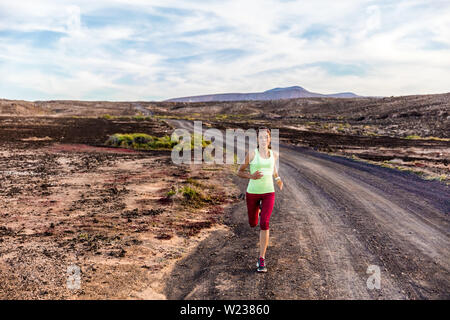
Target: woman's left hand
(280, 184)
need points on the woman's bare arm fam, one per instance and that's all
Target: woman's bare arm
(242, 171)
(275, 173)
(275, 169)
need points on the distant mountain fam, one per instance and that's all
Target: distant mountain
(272, 94)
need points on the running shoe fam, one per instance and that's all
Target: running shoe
(261, 265)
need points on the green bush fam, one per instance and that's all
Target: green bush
(193, 197)
(136, 117)
(143, 141)
(194, 182)
(413, 137)
(189, 193)
(140, 141)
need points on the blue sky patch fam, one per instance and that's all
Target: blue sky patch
(41, 38)
(340, 69)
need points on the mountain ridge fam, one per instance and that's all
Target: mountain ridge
(271, 94)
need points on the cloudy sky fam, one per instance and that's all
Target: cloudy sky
(156, 50)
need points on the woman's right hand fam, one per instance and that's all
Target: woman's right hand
(256, 175)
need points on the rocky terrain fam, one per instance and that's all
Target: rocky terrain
(408, 133)
(128, 218)
(65, 201)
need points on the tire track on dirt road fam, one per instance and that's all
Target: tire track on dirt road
(334, 218)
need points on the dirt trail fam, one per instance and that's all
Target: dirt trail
(334, 218)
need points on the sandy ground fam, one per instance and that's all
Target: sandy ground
(103, 210)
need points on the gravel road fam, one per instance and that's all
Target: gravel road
(333, 219)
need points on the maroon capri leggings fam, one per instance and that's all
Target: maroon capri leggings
(268, 200)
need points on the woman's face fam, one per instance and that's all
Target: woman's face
(263, 138)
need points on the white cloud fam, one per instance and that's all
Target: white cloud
(404, 45)
(373, 20)
(73, 20)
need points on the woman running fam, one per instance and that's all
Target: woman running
(260, 194)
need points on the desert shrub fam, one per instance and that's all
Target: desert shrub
(416, 137)
(194, 182)
(193, 197)
(143, 141)
(413, 137)
(125, 140)
(140, 141)
(112, 141)
(197, 141)
(162, 143)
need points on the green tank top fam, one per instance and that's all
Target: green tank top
(265, 166)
